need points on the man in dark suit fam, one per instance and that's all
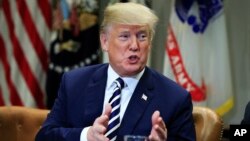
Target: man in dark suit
(147, 103)
(246, 119)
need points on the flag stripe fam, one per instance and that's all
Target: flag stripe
(40, 22)
(14, 97)
(46, 11)
(1, 98)
(4, 90)
(21, 60)
(23, 25)
(33, 34)
(27, 46)
(16, 76)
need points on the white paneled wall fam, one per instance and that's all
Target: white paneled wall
(238, 24)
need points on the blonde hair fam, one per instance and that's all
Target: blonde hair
(130, 14)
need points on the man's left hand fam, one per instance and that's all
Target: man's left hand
(159, 130)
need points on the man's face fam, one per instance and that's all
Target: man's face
(128, 47)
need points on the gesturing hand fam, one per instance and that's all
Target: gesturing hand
(97, 131)
(159, 130)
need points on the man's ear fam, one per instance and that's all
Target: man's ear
(104, 41)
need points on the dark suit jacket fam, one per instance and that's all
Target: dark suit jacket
(246, 119)
(80, 102)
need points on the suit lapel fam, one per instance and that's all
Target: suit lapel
(95, 94)
(138, 103)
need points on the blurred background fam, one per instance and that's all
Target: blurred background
(202, 45)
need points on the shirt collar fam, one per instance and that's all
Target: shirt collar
(130, 82)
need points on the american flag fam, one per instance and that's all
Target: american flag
(25, 27)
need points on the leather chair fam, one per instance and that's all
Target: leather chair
(22, 123)
(208, 124)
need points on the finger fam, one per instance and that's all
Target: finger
(155, 117)
(161, 132)
(107, 110)
(106, 113)
(104, 138)
(101, 137)
(100, 129)
(98, 137)
(157, 120)
(161, 129)
(94, 135)
(102, 119)
(158, 135)
(162, 124)
(100, 124)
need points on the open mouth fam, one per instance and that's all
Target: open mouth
(133, 59)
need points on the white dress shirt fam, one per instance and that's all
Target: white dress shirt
(126, 94)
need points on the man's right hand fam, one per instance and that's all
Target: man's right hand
(97, 131)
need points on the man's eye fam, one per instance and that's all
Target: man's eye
(142, 36)
(123, 37)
